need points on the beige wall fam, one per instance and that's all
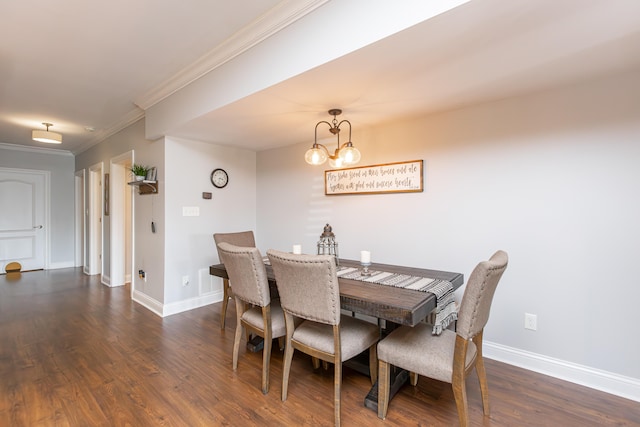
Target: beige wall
(552, 178)
(181, 246)
(189, 247)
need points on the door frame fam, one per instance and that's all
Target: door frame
(121, 214)
(95, 220)
(80, 214)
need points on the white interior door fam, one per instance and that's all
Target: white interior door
(22, 218)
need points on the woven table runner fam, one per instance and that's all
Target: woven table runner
(443, 290)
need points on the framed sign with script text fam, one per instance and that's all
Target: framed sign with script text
(401, 177)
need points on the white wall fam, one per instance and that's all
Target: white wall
(552, 178)
(189, 246)
(62, 214)
(149, 248)
(181, 246)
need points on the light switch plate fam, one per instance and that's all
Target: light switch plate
(190, 211)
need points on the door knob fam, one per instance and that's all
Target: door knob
(37, 226)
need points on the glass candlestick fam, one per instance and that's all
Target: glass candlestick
(365, 269)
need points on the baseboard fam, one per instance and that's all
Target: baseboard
(164, 310)
(106, 280)
(147, 302)
(619, 385)
(192, 303)
(58, 265)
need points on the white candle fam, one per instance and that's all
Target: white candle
(297, 249)
(365, 257)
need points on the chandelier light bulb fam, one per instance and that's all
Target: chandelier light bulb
(350, 155)
(344, 155)
(337, 162)
(315, 156)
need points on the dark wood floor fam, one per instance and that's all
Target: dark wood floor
(76, 353)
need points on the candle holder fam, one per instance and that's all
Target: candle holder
(365, 269)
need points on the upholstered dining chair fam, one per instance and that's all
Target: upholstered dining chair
(451, 356)
(308, 288)
(255, 311)
(241, 238)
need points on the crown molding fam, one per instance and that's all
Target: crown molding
(127, 120)
(276, 19)
(39, 150)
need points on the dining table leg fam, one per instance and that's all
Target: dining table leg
(255, 344)
(399, 377)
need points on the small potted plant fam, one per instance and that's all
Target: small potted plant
(139, 171)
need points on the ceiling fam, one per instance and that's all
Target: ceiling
(84, 71)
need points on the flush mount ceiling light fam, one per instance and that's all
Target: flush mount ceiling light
(46, 135)
(345, 155)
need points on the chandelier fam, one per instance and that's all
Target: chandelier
(344, 155)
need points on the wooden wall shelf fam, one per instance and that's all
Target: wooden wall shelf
(145, 187)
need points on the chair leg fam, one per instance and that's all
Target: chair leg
(337, 382)
(316, 362)
(460, 395)
(337, 377)
(484, 389)
(266, 351)
(288, 355)
(458, 380)
(482, 374)
(373, 363)
(225, 302)
(383, 388)
(238, 334)
(413, 378)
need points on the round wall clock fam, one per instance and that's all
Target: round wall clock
(219, 178)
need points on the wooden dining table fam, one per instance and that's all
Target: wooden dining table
(396, 306)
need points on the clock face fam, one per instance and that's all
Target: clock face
(219, 178)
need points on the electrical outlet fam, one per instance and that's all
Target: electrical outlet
(185, 280)
(142, 275)
(530, 321)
